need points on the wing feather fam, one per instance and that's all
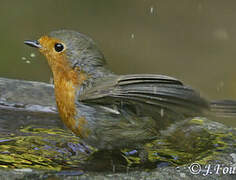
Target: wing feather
(157, 90)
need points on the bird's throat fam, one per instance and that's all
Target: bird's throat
(67, 82)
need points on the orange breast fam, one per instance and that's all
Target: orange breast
(67, 81)
(66, 84)
(65, 92)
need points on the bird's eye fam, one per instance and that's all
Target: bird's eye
(59, 47)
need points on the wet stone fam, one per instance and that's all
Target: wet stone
(34, 144)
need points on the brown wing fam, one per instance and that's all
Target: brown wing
(156, 90)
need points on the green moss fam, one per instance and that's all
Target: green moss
(190, 142)
(56, 149)
(40, 148)
(197, 121)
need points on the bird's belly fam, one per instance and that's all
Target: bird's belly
(123, 128)
(121, 132)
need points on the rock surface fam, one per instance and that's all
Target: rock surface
(192, 149)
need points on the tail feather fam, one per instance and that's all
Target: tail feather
(224, 108)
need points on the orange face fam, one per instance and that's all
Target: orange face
(67, 80)
(54, 50)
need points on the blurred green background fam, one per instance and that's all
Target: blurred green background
(192, 40)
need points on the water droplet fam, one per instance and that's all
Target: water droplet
(32, 55)
(23, 58)
(132, 36)
(221, 34)
(220, 86)
(151, 9)
(162, 112)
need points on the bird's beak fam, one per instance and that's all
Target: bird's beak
(34, 43)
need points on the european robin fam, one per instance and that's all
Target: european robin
(110, 111)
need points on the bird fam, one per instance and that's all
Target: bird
(111, 111)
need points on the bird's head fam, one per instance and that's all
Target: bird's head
(69, 49)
